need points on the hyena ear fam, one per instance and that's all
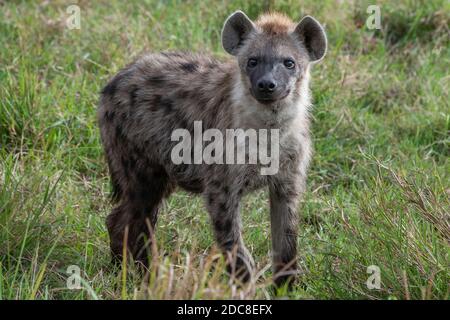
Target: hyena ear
(312, 35)
(235, 30)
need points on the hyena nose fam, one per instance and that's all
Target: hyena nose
(265, 85)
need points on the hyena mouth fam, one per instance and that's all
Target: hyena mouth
(270, 100)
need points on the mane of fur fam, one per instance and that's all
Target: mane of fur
(275, 23)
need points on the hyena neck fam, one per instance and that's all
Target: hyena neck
(285, 115)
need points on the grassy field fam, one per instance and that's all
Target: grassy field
(379, 185)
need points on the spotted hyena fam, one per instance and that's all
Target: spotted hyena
(264, 86)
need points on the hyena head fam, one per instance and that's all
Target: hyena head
(274, 54)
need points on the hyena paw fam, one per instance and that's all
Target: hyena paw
(240, 266)
(285, 277)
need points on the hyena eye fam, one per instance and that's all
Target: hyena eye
(252, 62)
(289, 64)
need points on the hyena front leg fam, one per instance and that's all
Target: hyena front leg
(284, 221)
(223, 203)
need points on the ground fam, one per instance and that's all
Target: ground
(379, 184)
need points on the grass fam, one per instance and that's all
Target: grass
(379, 184)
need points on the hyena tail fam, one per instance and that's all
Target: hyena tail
(116, 189)
(106, 115)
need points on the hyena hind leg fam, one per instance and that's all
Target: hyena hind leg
(137, 213)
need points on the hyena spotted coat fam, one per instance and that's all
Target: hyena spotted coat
(265, 86)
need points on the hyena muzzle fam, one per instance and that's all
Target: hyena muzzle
(264, 86)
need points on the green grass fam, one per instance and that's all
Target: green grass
(379, 184)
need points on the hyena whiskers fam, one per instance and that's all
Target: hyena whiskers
(265, 86)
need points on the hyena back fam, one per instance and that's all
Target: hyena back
(265, 86)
